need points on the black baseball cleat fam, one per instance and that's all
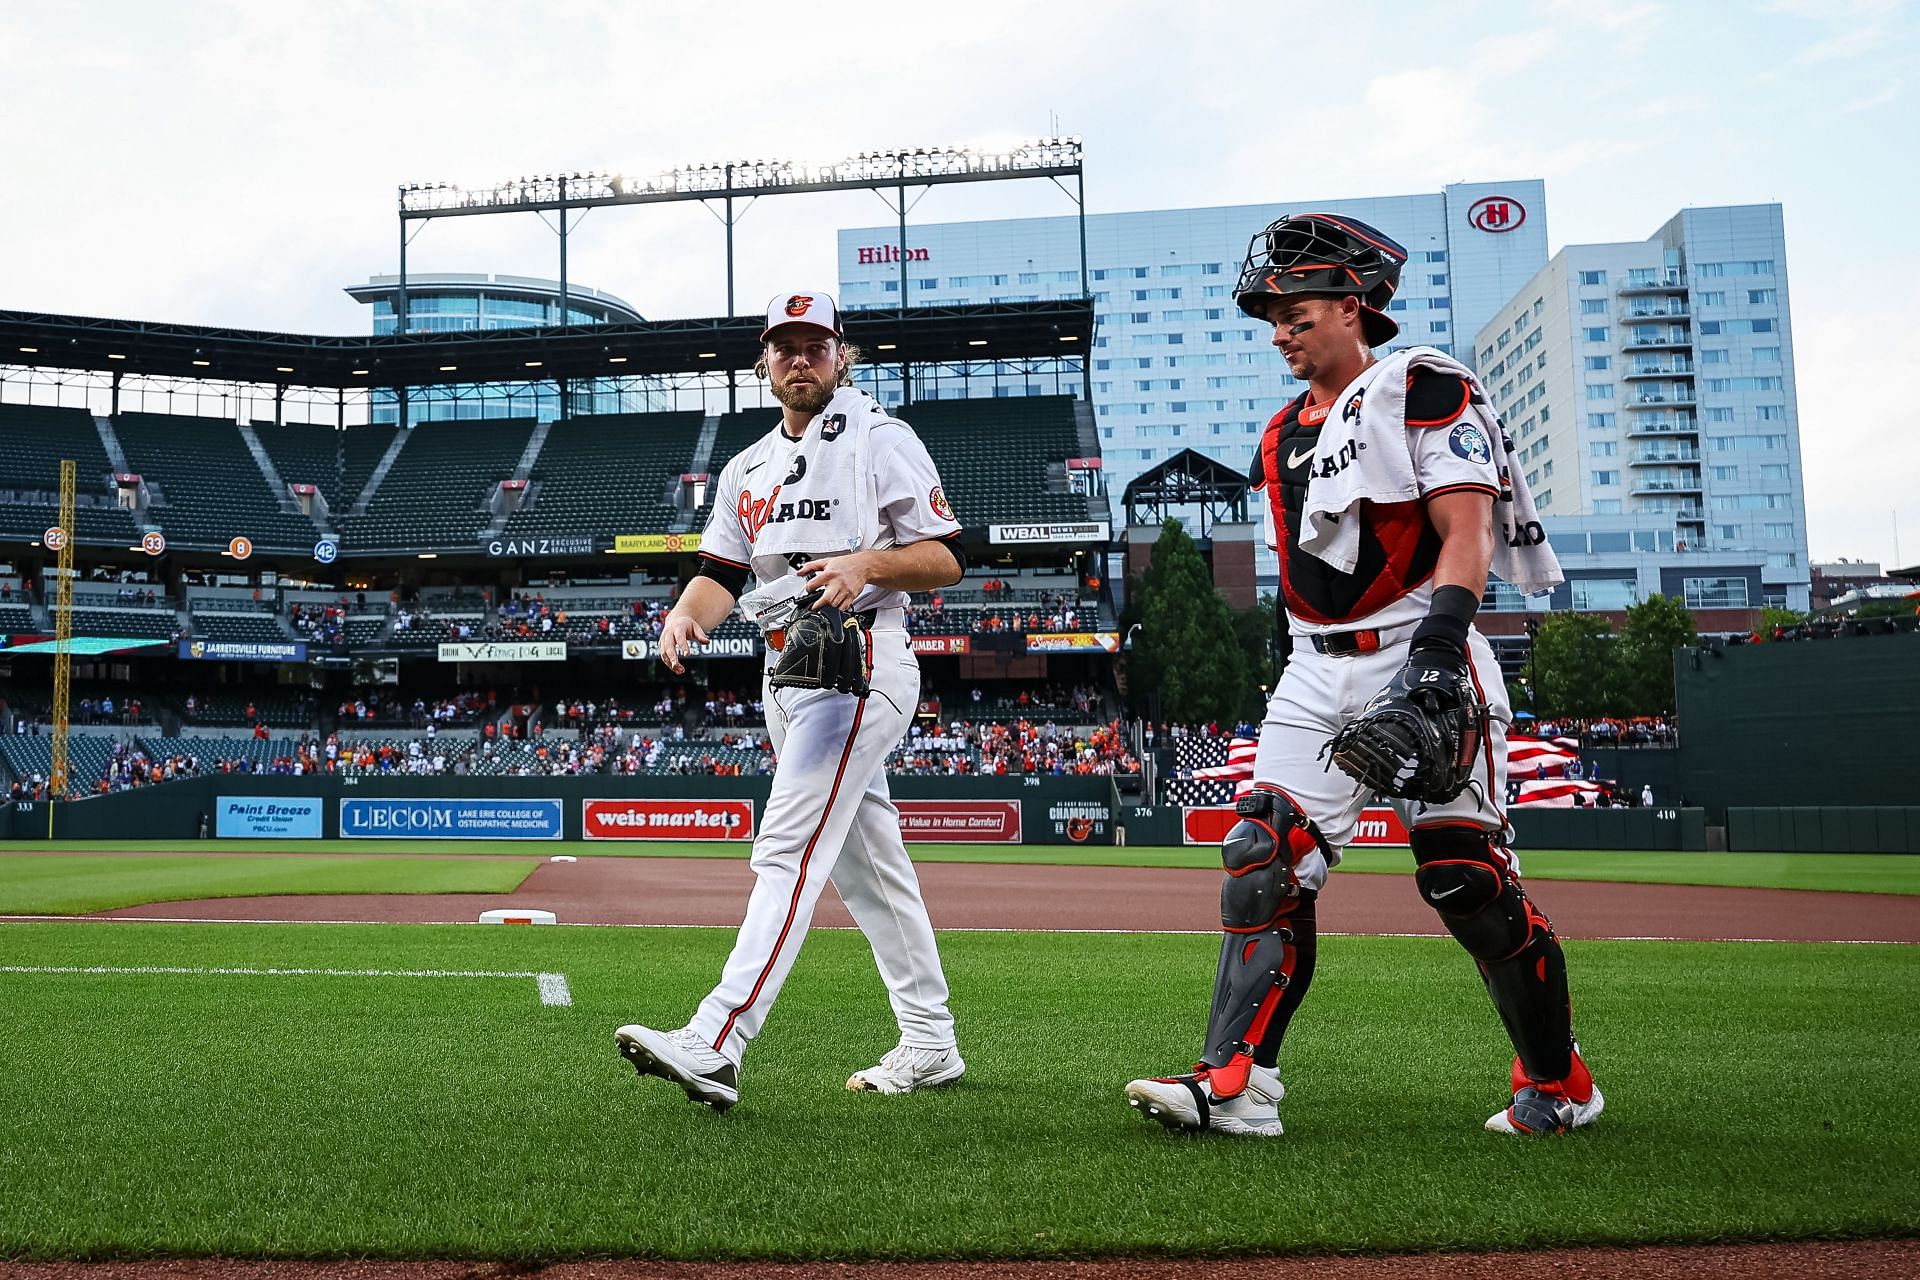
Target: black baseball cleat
(683, 1058)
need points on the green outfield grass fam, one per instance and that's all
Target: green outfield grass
(1853, 872)
(1755, 1091)
(74, 885)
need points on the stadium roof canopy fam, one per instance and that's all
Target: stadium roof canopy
(917, 335)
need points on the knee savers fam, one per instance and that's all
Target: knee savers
(1487, 911)
(1259, 854)
(1480, 904)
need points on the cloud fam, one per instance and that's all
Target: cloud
(1849, 44)
(1516, 50)
(1614, 15)
(1867, 102)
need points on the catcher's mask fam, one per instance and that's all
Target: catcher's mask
(1324, 255)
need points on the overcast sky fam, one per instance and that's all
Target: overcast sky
(236, 163)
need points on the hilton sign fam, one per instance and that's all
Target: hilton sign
(885, 253)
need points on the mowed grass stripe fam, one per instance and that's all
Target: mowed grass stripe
(1755, 1091)
(68, 885)
(1849, 872)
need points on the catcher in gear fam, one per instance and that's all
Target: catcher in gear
(1387, 492)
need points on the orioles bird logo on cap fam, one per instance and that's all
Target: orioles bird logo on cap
(799, 304)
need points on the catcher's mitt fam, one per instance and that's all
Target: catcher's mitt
(1417, 738)
(825, 648)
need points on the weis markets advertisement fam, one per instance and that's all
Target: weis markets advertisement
(668, 819)
(1379, 828)
(962, 821)
(451, 818)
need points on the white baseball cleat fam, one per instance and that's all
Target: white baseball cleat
(684, 1058)
(1188, 1103)
(909, 1067)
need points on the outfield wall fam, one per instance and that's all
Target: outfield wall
(1021, 810)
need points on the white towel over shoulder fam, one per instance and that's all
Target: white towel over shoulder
(836, 476)
(1365, 454)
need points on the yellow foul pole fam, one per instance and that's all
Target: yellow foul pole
(62, 645)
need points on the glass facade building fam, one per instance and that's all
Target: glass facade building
(460, 302)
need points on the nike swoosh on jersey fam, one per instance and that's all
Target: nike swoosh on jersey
(1296, 459)
(750, 468)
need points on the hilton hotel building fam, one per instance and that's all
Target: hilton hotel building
(1650, 388)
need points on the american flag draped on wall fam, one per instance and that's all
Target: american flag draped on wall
(1213, 771)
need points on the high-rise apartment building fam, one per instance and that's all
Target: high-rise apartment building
(1653, 380)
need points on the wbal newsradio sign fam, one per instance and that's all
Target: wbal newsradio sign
(1081, 531)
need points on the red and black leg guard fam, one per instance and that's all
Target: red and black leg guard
(1267, 955)
(1465, 880)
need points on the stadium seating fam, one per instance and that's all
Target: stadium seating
(363, 631)
(993, 454)
(435, 496)
(338, 463)
(257, 753)
(88, 756)
(125, 622)
(212, 487)
(250, 626)
(271, 707)
(33, 440)
(611, 473)
(16, 618)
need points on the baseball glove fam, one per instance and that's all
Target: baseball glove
(825, 648)
(1417, 738)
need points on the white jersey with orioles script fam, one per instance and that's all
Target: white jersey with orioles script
(858, 479)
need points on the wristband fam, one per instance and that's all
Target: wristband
(1447, 620)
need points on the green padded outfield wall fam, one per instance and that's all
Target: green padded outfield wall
(1824, 724)
(1052, 810)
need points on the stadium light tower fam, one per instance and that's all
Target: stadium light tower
(881, 172)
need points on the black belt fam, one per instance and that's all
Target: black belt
(1344, 644)
(866, 617)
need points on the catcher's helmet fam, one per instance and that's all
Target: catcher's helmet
(1324, 254)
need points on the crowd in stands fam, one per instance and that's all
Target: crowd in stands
(1608, 731)
(320, 624)
(105, 710)
(1057, 611)
(997, 749)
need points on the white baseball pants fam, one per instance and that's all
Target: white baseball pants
(1317, 694)
(830, 818)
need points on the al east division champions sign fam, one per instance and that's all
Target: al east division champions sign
(668, 819)
(451, 818)
(973, 821)
(268, 817)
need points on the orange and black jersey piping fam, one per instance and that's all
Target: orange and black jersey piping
(1398, 543)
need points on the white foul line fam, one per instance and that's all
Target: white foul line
(553, 986)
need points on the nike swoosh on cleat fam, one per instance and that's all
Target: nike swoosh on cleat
(1439, 894)
(1295, 459)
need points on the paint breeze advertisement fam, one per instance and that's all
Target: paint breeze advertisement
(268, 817)
(451, 818)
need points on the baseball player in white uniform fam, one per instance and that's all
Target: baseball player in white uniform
(843, 496)
(1389, 497)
